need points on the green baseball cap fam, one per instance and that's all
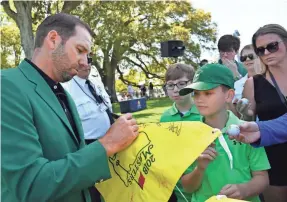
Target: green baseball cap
(208, 77)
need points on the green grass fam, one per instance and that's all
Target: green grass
(153, 112)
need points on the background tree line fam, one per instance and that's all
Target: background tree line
(128, 34)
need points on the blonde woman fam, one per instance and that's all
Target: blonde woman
(253, 66)
(267, 94)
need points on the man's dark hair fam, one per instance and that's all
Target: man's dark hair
(203, 62)
(63, 23)
(228, 43)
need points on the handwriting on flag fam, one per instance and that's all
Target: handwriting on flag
(149, 169)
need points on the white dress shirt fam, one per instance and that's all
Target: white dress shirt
(94, 117)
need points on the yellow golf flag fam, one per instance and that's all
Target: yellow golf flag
(223, 199)
(148, 170)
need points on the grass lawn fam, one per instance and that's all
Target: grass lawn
(155, 108)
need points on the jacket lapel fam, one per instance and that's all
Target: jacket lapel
(45, 92)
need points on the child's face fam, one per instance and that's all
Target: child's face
(173, 90)
(211, 102)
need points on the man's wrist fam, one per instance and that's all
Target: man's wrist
(106, 146)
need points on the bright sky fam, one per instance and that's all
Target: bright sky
(246, 16)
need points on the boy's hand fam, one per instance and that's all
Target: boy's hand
(206, 157)
(231, 65)
(233, 191)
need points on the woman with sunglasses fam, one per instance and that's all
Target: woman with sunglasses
(267, 94)
(253, 66)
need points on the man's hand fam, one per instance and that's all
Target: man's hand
(249, 133)
(206, 157)
(233, 191)
(120, 135)
(232, 66)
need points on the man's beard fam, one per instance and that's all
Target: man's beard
(61, 63)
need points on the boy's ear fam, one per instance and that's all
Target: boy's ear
(230, 95)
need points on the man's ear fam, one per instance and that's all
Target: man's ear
(230, 95)
(53, 39)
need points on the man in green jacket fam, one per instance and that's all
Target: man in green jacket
(44, 156)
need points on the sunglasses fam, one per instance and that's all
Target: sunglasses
(271, 47)
(243, 58)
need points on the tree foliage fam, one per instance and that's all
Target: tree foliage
(28, 13)
(10, 45)
(127, 33)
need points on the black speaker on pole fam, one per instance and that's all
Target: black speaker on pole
(172, 48)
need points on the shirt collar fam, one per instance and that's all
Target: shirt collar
(80, 81)
(56, 87)
(50, 81)
(173, 110)
(232, 119)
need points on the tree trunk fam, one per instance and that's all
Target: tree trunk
(23, 20)
(24, 23)
(110, 78)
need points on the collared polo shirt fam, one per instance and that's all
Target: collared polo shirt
(219, 172)
(171, 115)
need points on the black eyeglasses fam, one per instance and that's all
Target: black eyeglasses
(243, 58)
(180, 85)
(271, 47)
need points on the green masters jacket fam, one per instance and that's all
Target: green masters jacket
(42, 160)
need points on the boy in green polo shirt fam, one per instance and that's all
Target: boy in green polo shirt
(177, 77)
(226, 167)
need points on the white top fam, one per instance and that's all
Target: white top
(239, 86)
(94, 117)
(130, 89)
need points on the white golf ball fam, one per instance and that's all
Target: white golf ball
(244, 101)
(233, 130)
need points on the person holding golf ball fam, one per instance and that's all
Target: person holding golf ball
(253, 66)
(267, 94)
(262, 133)
(226, 167)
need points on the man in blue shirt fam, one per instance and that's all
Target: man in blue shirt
(94, 108)
(263, 133)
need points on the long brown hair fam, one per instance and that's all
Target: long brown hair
(269, 29)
